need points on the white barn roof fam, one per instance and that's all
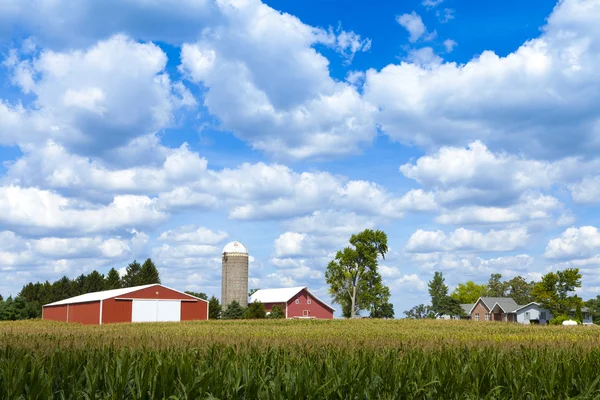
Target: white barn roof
(281, 295)
(108, 294)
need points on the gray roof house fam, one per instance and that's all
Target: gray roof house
(506, 309)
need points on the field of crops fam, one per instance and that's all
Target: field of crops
(359, 359)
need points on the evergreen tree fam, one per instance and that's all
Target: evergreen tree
(113, 280)
(277, 312)
(132, 275)
(62, 289)
(78, 285)
(148, 273)
(255, 310)
(1, 298)
(234, 311)
(214, 308)
(94, 282)
(438, 290)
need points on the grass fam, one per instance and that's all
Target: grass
(359, 359)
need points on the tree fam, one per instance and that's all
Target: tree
(578, 314)
(354, 266)
(277, 312)
(496, 288)
(594, 306)
(468, 292)
(113, 280)
(438, 290)
(148, 273)
(233, 311)
(214, 308)
(199, 295)
(419, 312)
(450, 306)
(381, 307)
(384, 310)
(553, 291)
(252, 291)
(94, 282)
(255, 310)
(520, 290)
(132, 273)
(1, 298)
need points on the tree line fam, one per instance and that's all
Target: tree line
(29, 301)
(555, 292)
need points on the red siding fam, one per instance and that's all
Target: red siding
(116, 311)
(55, 313)
(194, 311)
(315, 310)
(85, 313)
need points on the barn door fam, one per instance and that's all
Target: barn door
(155, 310)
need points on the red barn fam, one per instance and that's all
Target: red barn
(296, 302)
(147, 303)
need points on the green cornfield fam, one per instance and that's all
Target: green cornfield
(299, 359)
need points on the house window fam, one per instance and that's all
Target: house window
(487, 316)
(543, 315)
(297, 301)
(305, 313)
(476, 316)
(308, 301)
(527, 316)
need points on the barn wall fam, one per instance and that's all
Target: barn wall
(194, 311)
(316, 309)
(85, 313)
(54, 313)
(114, 311)
(158, 293)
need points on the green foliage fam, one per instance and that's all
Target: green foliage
(352, 276)
(276, 312)
(554, 291)
(113, 280)
(199, 295)
(578, 314)
(495, 287)
(252, 291)
(255, 310)
(520, 290)
(94, 282)
(214, 308)
(383, 310)
(233, 311)
(419, 312)
(594, 306)
(558, 320)
(438, 291)
(469, 292)
(148, 273)
(132, 275)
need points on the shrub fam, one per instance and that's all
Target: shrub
(233, 311)
(255, 310)
(277, 312)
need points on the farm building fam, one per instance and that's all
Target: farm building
(147, 303)
(296, 302)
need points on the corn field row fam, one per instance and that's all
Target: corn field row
(256, 360)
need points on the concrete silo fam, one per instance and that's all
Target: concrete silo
(234, 281)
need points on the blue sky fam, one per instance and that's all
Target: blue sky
(467, 131)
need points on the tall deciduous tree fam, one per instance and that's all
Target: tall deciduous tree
(350, 273)
(113, 280)
(148, 273)
(419, 312)
(520, 290)
(495, 287)
(555, 290)
(214, 308)
(468, 292)
(132, 275)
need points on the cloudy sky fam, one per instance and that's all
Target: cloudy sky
(468, 131)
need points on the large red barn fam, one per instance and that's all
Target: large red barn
(296, 302)
(147, 303)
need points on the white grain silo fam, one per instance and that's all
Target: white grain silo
(234, 281)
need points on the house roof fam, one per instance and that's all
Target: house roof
(107, 294)
(467, 307)
(282, 295)
(507, 304)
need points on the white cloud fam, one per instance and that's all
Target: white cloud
(586, 191)
(446, 16)
(289, 244)
(528, 101)
(431, 3)
(88, 102)
(283, 100)
(449, 44)
(192, 234)
(413, 24)
(425, 57)
(583, 242)
(466, 240)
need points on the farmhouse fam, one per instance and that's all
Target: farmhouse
(147, 303)
(507, 310)
(296, 302)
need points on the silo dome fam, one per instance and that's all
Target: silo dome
(235, 247)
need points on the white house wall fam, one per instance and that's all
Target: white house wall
(534, 314)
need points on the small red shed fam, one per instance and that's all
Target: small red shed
(296, 302)
(147, 303)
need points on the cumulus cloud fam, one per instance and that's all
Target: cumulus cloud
(466, 240)
(528, 101)
(413, 24)
(583, 242)
(193, 234)
(449, 44)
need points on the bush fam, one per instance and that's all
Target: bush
(255, 310)
(277, 312)
(560, 319)
(234, 311)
